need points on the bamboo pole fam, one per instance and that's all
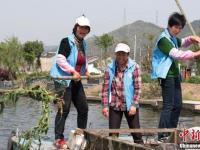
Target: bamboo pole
(72, 78)
(182, 11)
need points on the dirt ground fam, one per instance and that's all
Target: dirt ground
(189, 91)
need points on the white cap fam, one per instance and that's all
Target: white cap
(83, 21)
(122, 47)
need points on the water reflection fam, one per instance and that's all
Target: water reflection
(26, 113)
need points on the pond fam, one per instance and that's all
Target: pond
(27, 111)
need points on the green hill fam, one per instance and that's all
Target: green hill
(139, 28)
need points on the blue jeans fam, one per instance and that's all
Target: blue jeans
(172, 103)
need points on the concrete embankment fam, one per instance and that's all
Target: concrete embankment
(193, 106)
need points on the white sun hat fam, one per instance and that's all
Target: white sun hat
(83, 21)
(122, 47)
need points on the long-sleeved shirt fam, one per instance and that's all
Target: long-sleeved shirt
(166, 47)
(117, 91)
(64, 52)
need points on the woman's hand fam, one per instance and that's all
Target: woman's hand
(195, 39)
(105, 112)
(87, 74)
(132, 111)
(76, 76)
(197, 53)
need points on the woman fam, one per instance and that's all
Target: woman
(165, 67)
(71, 61)
(121, 91)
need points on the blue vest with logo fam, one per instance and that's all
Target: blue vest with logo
(161, 62)
(56, 71)
(128, 81)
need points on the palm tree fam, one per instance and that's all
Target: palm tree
(104, 42)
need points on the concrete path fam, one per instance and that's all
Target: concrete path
(193, 106)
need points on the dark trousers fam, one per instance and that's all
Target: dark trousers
(172, 103)
(76, 94)
(115, 118)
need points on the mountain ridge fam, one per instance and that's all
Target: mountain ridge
(128, 32)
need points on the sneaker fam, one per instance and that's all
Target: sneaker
(164, 139)
(60, 143)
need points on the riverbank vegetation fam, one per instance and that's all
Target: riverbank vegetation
(38, 93)
(17, 58)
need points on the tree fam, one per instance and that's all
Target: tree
(104, 42)
(11, 56)
(39, 48)
(29, 54)
(146, 60)
(196, 60)
(32, 51)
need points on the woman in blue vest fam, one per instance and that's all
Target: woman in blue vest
(71, 61)
(121, 91)
(165, 67)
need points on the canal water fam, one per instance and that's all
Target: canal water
(27, 111)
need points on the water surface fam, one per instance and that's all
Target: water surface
(27, 111)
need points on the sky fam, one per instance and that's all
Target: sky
(51, 20)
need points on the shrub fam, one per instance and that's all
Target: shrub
(146, 78)
(151, 90)
(194, 79)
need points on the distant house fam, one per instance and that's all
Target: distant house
(47, 61)
(93, 70)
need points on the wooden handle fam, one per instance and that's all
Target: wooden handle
(72, 78)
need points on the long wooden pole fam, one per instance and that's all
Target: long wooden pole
(182, 11)
(72, 78)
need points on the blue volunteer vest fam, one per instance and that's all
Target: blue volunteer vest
(128, 81)
(161, 62)
(56, 71)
